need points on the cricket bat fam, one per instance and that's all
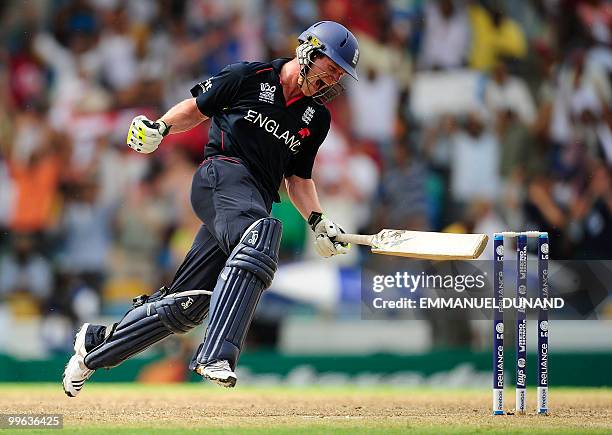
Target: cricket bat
(421, 244)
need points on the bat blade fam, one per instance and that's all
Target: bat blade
(429, 245)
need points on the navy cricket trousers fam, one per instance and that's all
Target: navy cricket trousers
(225, 197)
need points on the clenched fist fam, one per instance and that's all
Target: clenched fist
(146, 135)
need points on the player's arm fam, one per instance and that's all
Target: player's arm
(209, 98)
(303, 194)
(183, 116)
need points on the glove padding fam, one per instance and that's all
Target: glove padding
(146, 135)
(325, 233)
(303, 53)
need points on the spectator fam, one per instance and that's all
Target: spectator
(596, 17)
(285, 18)
(337, 162)
(118, 171)
(35, 169)
(74, 85)
(403, 202)
(85, 228)
(475, 162)
(545, 92)
(520, 155)
(374, 105)
(582, 88)
(590, 127)
(142, 224)
(76, 23)
(521, 158)
(29, 77)
(25, 270)
(446, 36)
(494, 35)
(363, 190)
(544, 209)
(177, 174)
(437, 148)
(504, 92)
(115, 56)
(388, 58)
(591, 215)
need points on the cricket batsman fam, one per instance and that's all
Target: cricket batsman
(268, 121)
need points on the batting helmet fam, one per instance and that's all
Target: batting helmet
(336, 42)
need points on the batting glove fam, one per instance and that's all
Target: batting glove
(146, 135)
(325, 233)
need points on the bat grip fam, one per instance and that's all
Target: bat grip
(358, 239)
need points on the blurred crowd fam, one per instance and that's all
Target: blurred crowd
(468, 116)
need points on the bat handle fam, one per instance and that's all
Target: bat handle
(358, 239)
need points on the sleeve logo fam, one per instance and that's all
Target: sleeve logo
(267, 93)
(206, 85)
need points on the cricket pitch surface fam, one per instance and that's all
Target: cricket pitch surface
(104, 408)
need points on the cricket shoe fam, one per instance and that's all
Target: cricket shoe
(219, 372)
(76, 372)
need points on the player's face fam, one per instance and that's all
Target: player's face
(322, 81)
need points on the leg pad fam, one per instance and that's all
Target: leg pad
(151, 320)
(249, 270)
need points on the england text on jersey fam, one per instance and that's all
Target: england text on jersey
(272, 127)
